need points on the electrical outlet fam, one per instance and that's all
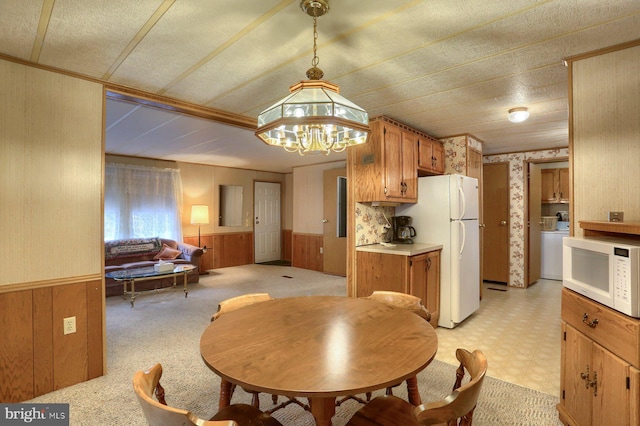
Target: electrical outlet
(69, 325)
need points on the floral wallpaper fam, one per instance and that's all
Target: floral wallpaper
(371, 222)
(455, 153)
(517, 204)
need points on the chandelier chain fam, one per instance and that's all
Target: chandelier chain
(315, 60)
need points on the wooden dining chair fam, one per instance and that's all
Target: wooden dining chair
(147, 383)
(405, 301)
(238, 302)
(229, 305)
(401, 300)
(456, 409)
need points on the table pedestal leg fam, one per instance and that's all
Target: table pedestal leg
(186, 291)
(323, 410)
(225, 394)
(413, 391)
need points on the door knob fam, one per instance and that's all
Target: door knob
(503, 222)
(324, 221)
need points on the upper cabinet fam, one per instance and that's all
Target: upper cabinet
(386, 166)
(555, 185)
(430, 157)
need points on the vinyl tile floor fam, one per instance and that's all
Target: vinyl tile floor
(519, 332)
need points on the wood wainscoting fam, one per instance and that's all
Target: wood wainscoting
(287, 243)
(206, 260)
(232, 249)
(306, 251)
(36, 357)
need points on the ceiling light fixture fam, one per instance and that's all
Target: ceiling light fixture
(313, 118)
(518, 115)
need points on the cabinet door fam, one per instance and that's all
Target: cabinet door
(425, 154)
(577, 359)
(432, 301)
(548, 185)
(563, 185)
(611, 397)
(438, 157)
(393, 161)
(424, 282)
(418, 277)
(409, 166)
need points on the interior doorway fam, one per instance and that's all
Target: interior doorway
(533, 258)
(266, 222)
(334, 238)
(547, 194)
(495, 244)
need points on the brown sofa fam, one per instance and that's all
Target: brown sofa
(141, 252)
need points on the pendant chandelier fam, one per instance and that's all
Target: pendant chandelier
(313, 118)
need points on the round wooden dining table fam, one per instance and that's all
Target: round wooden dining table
(318, 347)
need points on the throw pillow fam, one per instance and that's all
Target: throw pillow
(167, 253)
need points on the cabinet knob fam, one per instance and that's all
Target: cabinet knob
(504, 222)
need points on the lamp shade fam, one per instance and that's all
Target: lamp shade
(199, 214)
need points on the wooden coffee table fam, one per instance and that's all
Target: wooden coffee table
(318, 347)
(129, 277)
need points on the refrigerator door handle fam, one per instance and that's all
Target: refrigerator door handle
(463, 202)
(464, 237)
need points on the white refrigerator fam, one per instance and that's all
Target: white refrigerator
(447, 214)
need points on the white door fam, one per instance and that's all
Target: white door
(266, 221)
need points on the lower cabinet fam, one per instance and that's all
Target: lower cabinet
(600, 380)
(418, 275)
(424, 281)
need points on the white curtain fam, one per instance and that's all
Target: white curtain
(142, 202)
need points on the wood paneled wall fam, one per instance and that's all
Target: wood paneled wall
(232, 249)
(306, 251)
(206, 260)
(51, 169)
(36, 357)
(287, 243)
(605, 135)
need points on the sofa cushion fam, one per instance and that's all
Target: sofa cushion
(167, 253)
(132, 247)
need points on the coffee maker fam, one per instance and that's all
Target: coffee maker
(402, 232)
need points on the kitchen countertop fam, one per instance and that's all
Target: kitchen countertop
(401, 249)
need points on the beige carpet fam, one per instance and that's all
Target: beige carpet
(165, 327)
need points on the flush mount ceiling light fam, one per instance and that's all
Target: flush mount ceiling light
(313, 118)
(518, 115)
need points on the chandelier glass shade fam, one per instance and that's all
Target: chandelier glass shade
(314, 117)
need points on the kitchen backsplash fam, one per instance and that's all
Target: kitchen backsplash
(370, 224)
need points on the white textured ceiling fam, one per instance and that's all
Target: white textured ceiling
(446, 67)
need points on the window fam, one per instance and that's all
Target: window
(142, 202)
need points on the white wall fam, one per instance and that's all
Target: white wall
(308, 196)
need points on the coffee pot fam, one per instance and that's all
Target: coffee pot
(402, 232)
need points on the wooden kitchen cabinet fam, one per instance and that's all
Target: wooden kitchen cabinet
(418, 275)
(430, 157)
(424, 281)
(386, 167)
(600, 380)
(555, 185)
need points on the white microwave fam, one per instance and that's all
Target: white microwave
(605, 270)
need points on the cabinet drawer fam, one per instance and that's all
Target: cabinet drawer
(615, 331)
